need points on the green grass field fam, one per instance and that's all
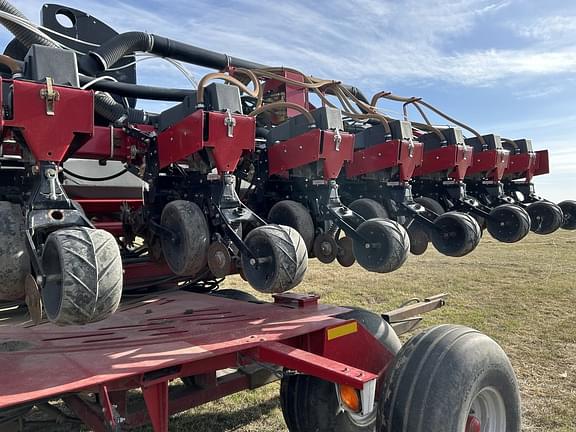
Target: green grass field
(523, 295)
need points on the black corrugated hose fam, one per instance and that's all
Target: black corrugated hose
(104, 104)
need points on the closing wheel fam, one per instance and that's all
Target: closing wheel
(295, 215)
(83, 270)
(345, 256)
(569, 210)
(457, 234)
(388, 245)
(508, 223)
(14, 258)
(311, 404)
(418, 239)
(545, 216)
(368, 208)
(450, 379)
(280, 258)
(186, 251)
(325, 248)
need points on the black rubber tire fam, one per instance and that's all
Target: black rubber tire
(14, 258)
(508, 223)
(83, 271)
(431, 205)
(545, 216)
(376, 326)
(435, 377)
(295, 215)
(311, 404)
(234, 294)
(419, 239)
(393, 250)
(288, 258)
(458, 234)
(186, 255)
(368, 208)
(569, 211)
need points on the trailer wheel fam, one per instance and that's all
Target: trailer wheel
(545, 216)
(431, 205)
(311, 404)
(457, 235)
(14, 259)
(187, 252)
(281, 258)
(368, 208)
(295, 215)
(83, 270)
(418, 239)
(388, 249)
(569, 210)
(450, 379)
(508, 223)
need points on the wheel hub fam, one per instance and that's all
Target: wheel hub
(473, 424)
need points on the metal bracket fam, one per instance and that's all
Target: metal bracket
(50, 96)
(337, 139)
(230, 123)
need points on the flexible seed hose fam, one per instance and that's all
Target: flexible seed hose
(220, 75)
(282, 105)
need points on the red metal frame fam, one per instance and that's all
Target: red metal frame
(453, 160)
(395, 153)
(311, 147)
(49, 135)
(204, 129)
(521, 166)
(149, 343)
(490, 163)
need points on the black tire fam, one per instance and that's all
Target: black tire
(393, 248)
(285, 258)
(419, 239)
(234, 294)
(295, 215)
(368, 208)
(439, 375)
(186, 253)
(83, 271)
(569, 211)
(508, 223)
(311, 404)
(457, 235)
(545, 217)
(434, 207)
(14, 258)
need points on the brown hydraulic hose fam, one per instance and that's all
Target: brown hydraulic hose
(281, 105)
(224, 77)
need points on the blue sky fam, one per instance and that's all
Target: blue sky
(505, 67)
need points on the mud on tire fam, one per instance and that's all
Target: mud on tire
(14, 258)
(83, 271)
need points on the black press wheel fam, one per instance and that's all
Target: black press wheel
(280, 258)
(419, 238)
(457, 234)
(311, 404)
(234, 294)
(295, 215)
(14, 259)
(186, 251)
(508, 223)
(450, 379)
(368, 208)
(433, 207)
(387, 247)
(546, 217)
(83, 270)
(569, 210)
